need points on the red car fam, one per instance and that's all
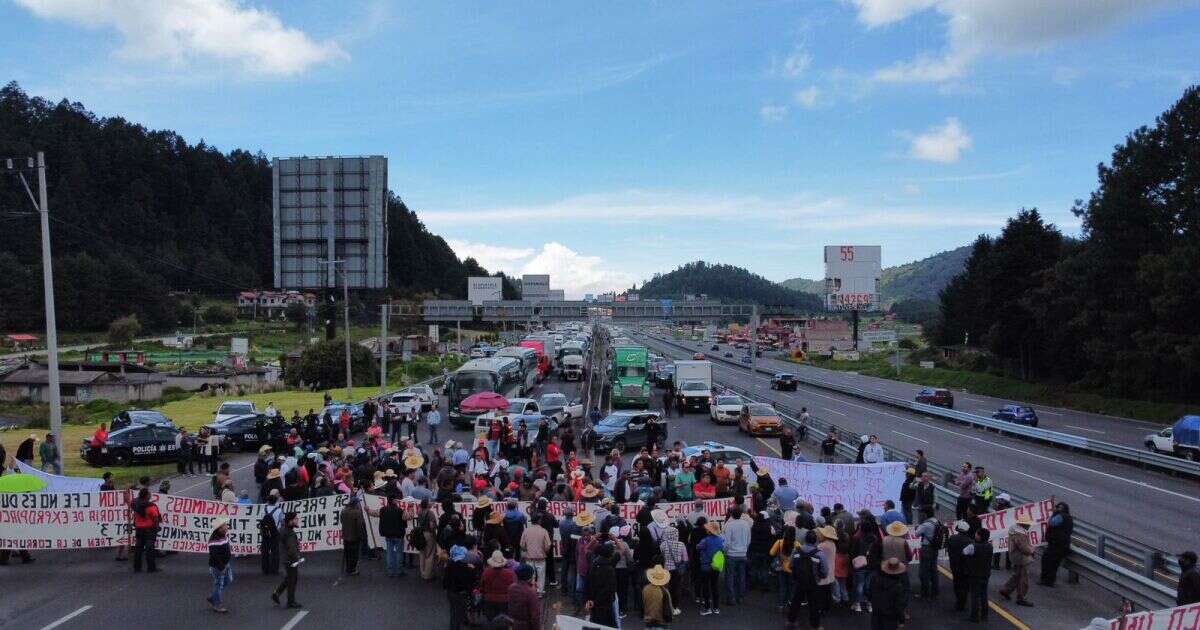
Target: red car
(936, 397)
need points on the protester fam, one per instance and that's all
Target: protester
(393, 527)
(48, 453)
(808, 570)
(958, 567)
(908, 492)
(497, 576)
(1058, 543)
(873, 451)
(782, 551)
(933, 538)
(459, 581)
(829, 447)
(1189, 580)
(785, 495)
(602, 586)
(658, 605)
(24, 452)
(736, 537)
(978, 560)
(887, 596)
(146, 519)
(268, 528)
(524, 602)
(219, 565)
(354, 533)
(965, 482)
(1020, 550)
(710, 548)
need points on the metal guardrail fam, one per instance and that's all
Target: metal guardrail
(1142, 574)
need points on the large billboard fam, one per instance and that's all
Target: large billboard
(535, 287)
(331, 208)
(482, 289)
(852, 277)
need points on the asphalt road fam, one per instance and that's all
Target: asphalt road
(1124, 431)
(1146, 506)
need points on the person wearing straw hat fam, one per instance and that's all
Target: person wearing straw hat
(657, 606)
(895, 545)
(808, 570)
(497, 576)
(887, 596)
(707, 550)
(1020, 551)
(219, 565)
(958, 569)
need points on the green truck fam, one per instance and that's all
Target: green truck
(628, 376)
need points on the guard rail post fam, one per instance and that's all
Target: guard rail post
(1101, 545)
(1151, 560)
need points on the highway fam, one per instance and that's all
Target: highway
(1146, 506)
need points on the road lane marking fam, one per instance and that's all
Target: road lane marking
(1053, 484)
(295, 620)
(1084, 429)
(61, 620)
(911, 437)
(832, 411)
(1004, 614)
(1048, 412)
(768, 445)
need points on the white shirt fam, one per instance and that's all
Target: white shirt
(873, 453)
(271, 412)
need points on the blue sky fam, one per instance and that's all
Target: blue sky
(604, 142)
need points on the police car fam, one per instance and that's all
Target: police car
(134, 444)
(242, 433)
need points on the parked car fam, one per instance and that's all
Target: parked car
(1017, 414)
(523, 407)
(760, 419)
(623, 429)
(1161, 442)
(134, 444)
(131, 417)
(556, 405)
(242, 433)
(425, 393)
(722, 453)
(784, 381)
(233, 408)
(726, 408)
(937, 397)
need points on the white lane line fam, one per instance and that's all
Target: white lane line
(911, 437)
(832, 411)
(1052, 483)
(295, 620)
(1048, 412)
(1084, 429)
(61, 620)
(994, 444)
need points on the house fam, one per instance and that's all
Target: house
(271, 304)
(80, 383)
(22, 342)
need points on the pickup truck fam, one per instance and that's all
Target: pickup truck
(693, 380)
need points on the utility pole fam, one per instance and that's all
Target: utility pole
(346, 304)
(754, 349)
(42, 206)
(383, 343)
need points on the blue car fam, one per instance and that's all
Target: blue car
(1017, 414)
(746, 360)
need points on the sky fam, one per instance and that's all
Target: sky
(605, 142)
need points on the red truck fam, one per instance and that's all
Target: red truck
(543, 365)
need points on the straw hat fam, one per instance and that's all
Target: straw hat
(713, 528)
(583, 519)
(265, 448)
(590, 492)
(34, 437)
(390, 474)
(449, 445)
(495, 518)
(658, 576)
(497, 559)
(828, 533)
(1025, 520)
(893, 566)
(273, 474)
(379, 483)
(897, 529)
(378, 475)
(607, 501)
(414, 461)
(219, 523)
(483, 502)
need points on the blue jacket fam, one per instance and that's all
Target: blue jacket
(709, 548)
(891, 516)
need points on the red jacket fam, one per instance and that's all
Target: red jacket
(150, 520)
(494, 584)
(524, 606)
(99, 438)
(553, 454)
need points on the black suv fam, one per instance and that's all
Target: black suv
(135, 444)
(783, 380)
(623, 429)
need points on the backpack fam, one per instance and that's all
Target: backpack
(718, 561)
(940, 536)
(805, 567)
(267, 526)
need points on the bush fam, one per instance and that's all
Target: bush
(323, 366)
(908, 343)
(123, 331)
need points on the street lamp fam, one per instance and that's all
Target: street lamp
(18, 166)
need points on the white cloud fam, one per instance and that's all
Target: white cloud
(772, 113)
(981, 27)
(571, 271)
(944, 143)
(807, 97)
(179, 31)
(793, 65)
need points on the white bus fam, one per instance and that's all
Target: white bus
(502, 375)
(529, 365)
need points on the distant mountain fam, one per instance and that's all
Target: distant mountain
(919, 280)
(726, 283)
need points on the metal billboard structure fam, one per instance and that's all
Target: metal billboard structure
(330, 208)
(852, 274)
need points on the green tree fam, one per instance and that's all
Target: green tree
(296, 313)
(323, 366)
(123, 331)
(218, 314)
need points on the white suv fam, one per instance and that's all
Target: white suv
(726, 408)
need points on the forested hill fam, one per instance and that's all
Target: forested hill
(137, 213)
(918, 280)
(726, 283)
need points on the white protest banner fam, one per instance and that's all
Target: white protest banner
(998, 523)
(855, 486)
(1186, 617)
(60, 483)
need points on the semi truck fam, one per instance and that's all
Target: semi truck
(628, 377)
(693, 385)
(543, 361)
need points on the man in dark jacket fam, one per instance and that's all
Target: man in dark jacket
(524, 605)
(1189, 580)
(758, 554)
(602, 587)
(1058, 543)
(908, 492)
(787, 444)
(393, 527)
(354, 532)
(958, 568)
(978, 558)
(888, 596)
(289, 548)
